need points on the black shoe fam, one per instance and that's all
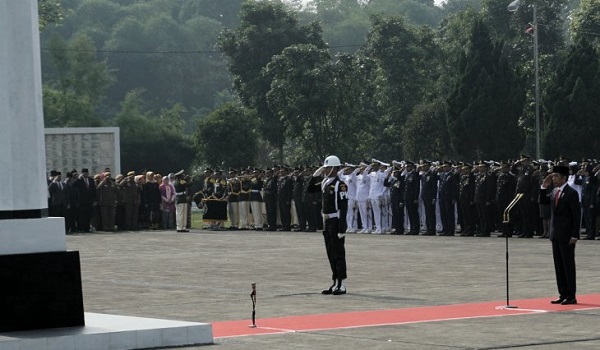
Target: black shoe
(342, 290)
(565, 302)
(329, 290)
(558, 301)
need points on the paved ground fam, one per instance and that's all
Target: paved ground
(205, 276)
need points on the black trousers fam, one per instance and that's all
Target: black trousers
(398, 217)
(527, 219)
(469, 221)
(564, 267)
(447, 215)
(285, 213)
(334, 246)
(271, 204)
(485, 219)
(84, 217)
(300, 213)
(430, 220)
(590, 221)
(412, 210)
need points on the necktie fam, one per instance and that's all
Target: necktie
(556, 198)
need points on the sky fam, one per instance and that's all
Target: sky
(437, 2)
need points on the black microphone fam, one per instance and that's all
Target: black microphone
(253, 298)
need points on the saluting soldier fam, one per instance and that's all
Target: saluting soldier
(86, 194)
(107, 198)
(524, 186)
(59, 197)
(234, 187)
(448, 194)
(285, 188)
(505, 188)
(429, 187)
(244, 200)
(396, 184)
(309, 199)
(270, 198)
(256, 185)
(484, 196)
(335, 205)
(588, 199)
(297, 197)
(411, 197)
(466, 201)
(349, 177)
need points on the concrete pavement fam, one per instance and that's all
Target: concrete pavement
(205, 276)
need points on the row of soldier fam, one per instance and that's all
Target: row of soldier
(402, 197)
(397, 198)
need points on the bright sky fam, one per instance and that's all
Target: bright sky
(437, 2)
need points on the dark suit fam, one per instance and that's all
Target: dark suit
(564, 225)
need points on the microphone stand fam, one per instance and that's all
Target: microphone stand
(506, 220)
(253, 298)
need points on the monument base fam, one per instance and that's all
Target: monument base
(40, 290)
(112, 332)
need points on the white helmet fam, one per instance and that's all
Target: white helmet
(332, 161)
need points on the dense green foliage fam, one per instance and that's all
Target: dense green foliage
(231, 83)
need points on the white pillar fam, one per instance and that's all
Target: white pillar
(24, 227)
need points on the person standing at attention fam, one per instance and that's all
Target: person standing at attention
(335, 205)
(564, 231)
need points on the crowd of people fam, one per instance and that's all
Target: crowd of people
(105, 203)
(412, 198)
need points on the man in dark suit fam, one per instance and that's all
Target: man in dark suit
(564, 231)
(86, 196)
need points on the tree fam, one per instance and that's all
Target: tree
(424, 136)
(80, 85)
(586, 22)
(570, 104)
(318, 100)
(49, 11)
(407, 67)
(486, 102)
(417, 12)
(266, 29)
(152, 143)
(227, 137)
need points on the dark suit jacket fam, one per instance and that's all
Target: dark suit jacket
(566, 217)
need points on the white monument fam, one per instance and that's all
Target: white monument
(41, 280)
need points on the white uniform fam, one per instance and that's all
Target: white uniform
(363, 184)
(351, 215)
(376, 196)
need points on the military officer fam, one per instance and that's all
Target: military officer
(506, 184)
(335, 202)
(285, 188)
(429, 185)
(448, 194)
(411, 197)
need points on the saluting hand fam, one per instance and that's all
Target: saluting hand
(547, 181)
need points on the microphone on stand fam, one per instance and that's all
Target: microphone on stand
(253, 298)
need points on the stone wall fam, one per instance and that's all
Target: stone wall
(92, 148)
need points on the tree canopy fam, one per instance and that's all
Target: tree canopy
(300, 80)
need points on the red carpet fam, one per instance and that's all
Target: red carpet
(357, 319)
